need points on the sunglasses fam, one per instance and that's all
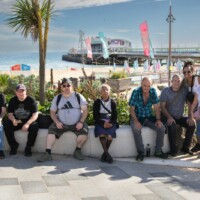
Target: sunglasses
(186, 72)
(68, 85)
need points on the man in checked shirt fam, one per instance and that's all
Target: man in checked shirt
(142, 102)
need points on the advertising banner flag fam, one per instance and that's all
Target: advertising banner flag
(25, 67)
(16, 67)
(145, 38)
(89, 48)
(104, 45)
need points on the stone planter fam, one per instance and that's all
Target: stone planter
(119, 85)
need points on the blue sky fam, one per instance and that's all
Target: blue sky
(116, 18)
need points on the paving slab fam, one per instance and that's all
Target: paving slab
(64, 178)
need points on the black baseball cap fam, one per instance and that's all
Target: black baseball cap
(66, 80)
(20, 87)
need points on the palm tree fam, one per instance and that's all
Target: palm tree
(32, 19)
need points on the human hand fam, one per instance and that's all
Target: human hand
(170, 121)
(59, 125)
(107, 124)
(25, 127)
(159, 123)
(138, 125)
(16, 122)
(190, 121)
(79, 125)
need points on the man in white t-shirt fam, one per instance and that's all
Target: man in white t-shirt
(69, 114)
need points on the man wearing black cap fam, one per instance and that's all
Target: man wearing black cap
(22, 114)
(68, 115)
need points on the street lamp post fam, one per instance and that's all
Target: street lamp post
(170, 19)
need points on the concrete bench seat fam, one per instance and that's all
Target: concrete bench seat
(122, 146)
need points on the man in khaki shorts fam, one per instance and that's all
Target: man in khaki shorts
(69, 114)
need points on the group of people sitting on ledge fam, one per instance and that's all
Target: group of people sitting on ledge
(69, 112)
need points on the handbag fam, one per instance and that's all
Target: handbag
(44, 121)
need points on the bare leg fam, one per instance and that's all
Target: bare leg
(51, 138)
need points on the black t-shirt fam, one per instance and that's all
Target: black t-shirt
(2, 101)
(22, 110)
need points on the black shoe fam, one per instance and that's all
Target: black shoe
(140, 157)
(196, 148)
(173, 154)
(2, 155)
(13, 150)
(186, 151)
(160, 154)
(103, 157)
(27, 152)
(109, 159)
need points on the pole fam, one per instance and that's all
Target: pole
(170, 19)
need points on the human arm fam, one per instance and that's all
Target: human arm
(158, 115)
(55, 119)
(165, 112)
(191, 107)
(134, 117)
(83, 117)
(32, 119)
(194, 105)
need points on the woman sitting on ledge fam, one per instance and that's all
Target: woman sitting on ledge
(105, 116)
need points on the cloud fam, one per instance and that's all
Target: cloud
(66, 4)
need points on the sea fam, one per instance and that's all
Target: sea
(53, 61)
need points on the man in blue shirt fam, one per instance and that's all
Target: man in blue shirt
(141, 102)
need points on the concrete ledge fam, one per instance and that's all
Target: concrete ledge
(122, 146)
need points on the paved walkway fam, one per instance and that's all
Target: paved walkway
(65, 178)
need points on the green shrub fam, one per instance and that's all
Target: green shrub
(118, 74)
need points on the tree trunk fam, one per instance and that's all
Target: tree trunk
(42, 57)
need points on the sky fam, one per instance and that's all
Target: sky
(119, 19)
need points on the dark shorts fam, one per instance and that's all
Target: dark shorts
(58, 132)
(99, 130)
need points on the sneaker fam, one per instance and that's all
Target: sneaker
(13, 150)
(103, 157)
(186, 151)
(44, 157)
(173, 154)
(109, 159)
(196, 148)
(78, 155)
(27, 152)
(140, 157)
(2, 155)
(160, 154)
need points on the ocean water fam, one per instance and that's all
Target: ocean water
(53, 60)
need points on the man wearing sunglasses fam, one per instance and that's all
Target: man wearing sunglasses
(67, 115)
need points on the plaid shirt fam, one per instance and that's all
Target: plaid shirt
(136, 100)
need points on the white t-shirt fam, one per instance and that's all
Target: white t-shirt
(68, 110)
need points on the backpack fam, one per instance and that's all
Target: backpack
(60, 95)
(44, 121)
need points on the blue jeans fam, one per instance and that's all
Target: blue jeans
(1, 138)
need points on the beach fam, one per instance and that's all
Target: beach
(103, 72)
